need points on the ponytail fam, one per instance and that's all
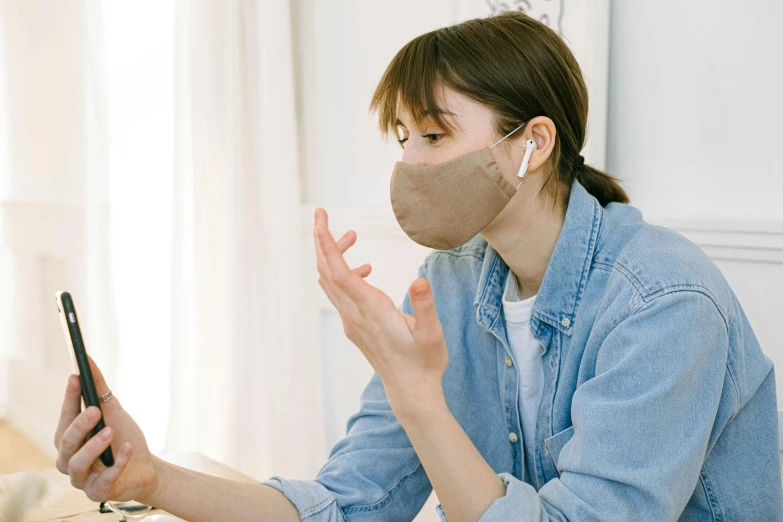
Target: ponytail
(600, 185)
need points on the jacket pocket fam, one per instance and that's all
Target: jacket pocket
(555, 443)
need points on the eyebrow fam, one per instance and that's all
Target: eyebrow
(426, 114)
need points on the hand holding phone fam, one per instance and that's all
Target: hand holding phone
(132, 472)
(73, 336)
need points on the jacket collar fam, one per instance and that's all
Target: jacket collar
(565, 276)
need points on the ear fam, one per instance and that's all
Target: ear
(542, 130)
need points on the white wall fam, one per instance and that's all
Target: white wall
(703, 78)
(695, 130)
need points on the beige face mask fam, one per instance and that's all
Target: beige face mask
(443, 206)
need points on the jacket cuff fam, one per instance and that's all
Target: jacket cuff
(521, 503)
(313, 501)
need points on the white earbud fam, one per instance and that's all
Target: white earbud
(530, 146)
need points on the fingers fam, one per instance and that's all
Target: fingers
(72, 406)
(427, 327)
(347, 241)
(80, 465)
(74, 436)
(323, 279)
(100, 488)
(331, 263)
(320, 260)
(364, 270)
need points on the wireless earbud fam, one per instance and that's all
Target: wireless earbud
(530, 146)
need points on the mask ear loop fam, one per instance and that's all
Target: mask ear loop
(507, 135)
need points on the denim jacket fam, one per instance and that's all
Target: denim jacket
(658, 403)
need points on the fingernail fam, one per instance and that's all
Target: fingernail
(105, 434)
(92, 413)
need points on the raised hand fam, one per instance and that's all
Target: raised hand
(408, 351)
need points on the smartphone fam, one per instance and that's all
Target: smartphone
(73, 337)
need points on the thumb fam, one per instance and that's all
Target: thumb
(427, 326)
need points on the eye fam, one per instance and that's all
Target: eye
(402, 141)
(432, 137)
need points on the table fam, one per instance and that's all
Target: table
(63, 502)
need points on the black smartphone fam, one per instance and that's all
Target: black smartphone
(73, 337)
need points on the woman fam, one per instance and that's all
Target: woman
(557, 359)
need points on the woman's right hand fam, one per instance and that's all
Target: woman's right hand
(134, 475)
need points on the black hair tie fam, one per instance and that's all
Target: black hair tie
(580, 160)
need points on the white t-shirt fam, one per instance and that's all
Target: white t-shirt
(527, 353)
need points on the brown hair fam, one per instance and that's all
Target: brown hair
(516, 66)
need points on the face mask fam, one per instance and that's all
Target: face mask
(443, 206)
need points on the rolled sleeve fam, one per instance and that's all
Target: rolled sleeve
(312, 500)
(518, 494)
(521, 502)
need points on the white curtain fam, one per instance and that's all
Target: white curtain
(187, 265)
(242, 377)
(214, 229)
(206, 143)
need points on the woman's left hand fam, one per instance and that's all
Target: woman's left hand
(407, 351)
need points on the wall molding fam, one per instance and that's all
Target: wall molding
(749, 240)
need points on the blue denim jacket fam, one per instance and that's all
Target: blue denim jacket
(658, 403)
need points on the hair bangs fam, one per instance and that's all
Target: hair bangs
(411, 81)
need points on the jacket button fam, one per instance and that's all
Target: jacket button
(509, 362)
(513, 437)
(566, 322)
